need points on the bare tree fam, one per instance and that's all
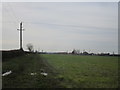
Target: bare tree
(30, 47)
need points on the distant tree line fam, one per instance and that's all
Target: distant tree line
(77, 52)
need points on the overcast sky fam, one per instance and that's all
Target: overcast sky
(62, 26)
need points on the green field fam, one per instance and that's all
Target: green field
(86, 71)
(66, 71)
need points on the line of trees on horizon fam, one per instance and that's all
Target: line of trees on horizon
(74, 52)
(77, 52)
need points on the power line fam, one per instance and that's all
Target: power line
(13, 13)
(9, 11)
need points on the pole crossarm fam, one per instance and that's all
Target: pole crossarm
(22, 29)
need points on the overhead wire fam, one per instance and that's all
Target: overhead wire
(16, 20)
(14, 17)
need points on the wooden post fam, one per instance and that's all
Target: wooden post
(21, 29)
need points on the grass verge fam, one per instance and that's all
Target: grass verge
(21, 77)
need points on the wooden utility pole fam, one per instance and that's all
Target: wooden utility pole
(21, 29)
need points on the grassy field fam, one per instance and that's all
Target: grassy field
(65, 71)
(85, 71)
